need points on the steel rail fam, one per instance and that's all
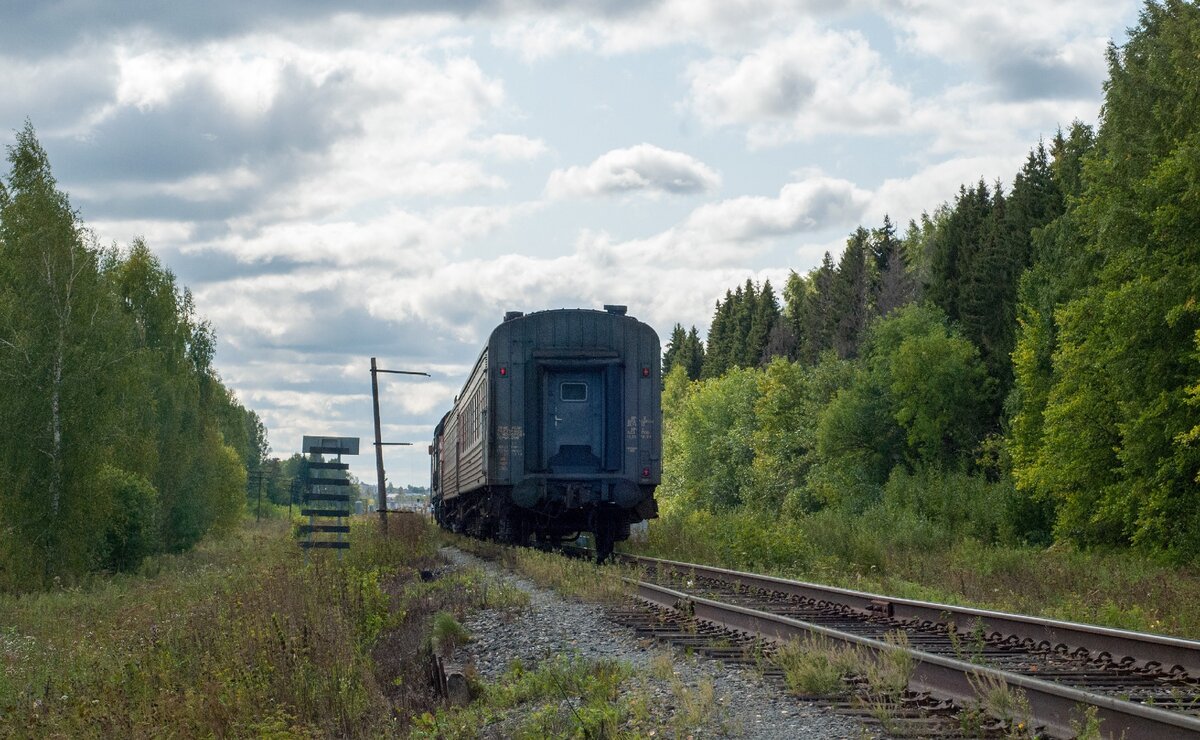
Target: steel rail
(1054, 707)
(1143, 648)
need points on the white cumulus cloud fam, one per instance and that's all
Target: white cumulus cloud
(1025, 48)
(729, 232)
(644, 167)
(811, 82)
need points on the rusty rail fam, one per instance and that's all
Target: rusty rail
(1054, 706)
(1171, 653)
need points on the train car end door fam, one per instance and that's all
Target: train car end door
(574, 420)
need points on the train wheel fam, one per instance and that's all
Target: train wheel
(511, 531)
(604, 530)
(604, 547)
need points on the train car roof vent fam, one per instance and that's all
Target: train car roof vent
(510, 315)
(618, 310)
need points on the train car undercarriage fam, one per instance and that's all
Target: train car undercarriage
(490, 514)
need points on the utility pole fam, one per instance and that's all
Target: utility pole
(379, 443)
(292, 495)
(257, 476)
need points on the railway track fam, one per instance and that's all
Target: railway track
(1138, 685)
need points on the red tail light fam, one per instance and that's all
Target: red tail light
(503, 371)
(645, 372)
(645, 472)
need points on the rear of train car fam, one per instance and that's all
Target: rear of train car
(557, 431)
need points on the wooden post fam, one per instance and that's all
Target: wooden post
(379, 443)
(383, 525)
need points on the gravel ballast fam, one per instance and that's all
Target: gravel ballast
(743, 705)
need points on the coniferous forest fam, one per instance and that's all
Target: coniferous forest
(117, 438)
(1020, 366)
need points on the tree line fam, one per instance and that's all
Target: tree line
(1040, 342)
(826, 309)
(117, 437)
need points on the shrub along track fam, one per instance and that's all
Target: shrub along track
(1137, 685)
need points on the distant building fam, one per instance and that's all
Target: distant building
(402, 499)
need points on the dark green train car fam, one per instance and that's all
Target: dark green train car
(557, 431)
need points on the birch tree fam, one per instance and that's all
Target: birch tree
(57, 354)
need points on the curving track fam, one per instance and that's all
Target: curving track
(1142, 685)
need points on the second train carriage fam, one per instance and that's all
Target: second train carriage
(557, 431)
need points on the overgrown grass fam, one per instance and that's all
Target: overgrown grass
(237, 637)
(579, 578)
(892, 549)
(816, 667)
(565, 696)
(447, 634)
(996, 699)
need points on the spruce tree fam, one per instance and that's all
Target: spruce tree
(850, 295)
(955, 248)
(985, 294)
(746, 299)
(895, 287)
(795, 304)
(919, 244)
(819, 313)
(766, 316)
(882, 247)
(693, 354)
(720, 338)
(989, 300)
(674, 349)
(1036, 200)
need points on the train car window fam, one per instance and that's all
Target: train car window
(573, 391)
(476, 409)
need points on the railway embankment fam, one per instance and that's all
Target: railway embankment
(242, 636)
(580, 671)
(910, 668)
(1033, 676)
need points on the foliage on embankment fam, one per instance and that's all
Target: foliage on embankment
(117, 438)
(237, 637)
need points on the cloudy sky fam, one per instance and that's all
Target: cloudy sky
(336, 181)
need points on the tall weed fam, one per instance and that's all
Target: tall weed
(928, 550)
(237, 637)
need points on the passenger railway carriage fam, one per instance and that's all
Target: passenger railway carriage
(557, 431)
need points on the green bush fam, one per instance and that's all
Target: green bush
(970, 506)
(842, 541)
(738, 538)
(708, 442)
(131, 531)
(785, 440)
(963, 505)
(840, 483)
